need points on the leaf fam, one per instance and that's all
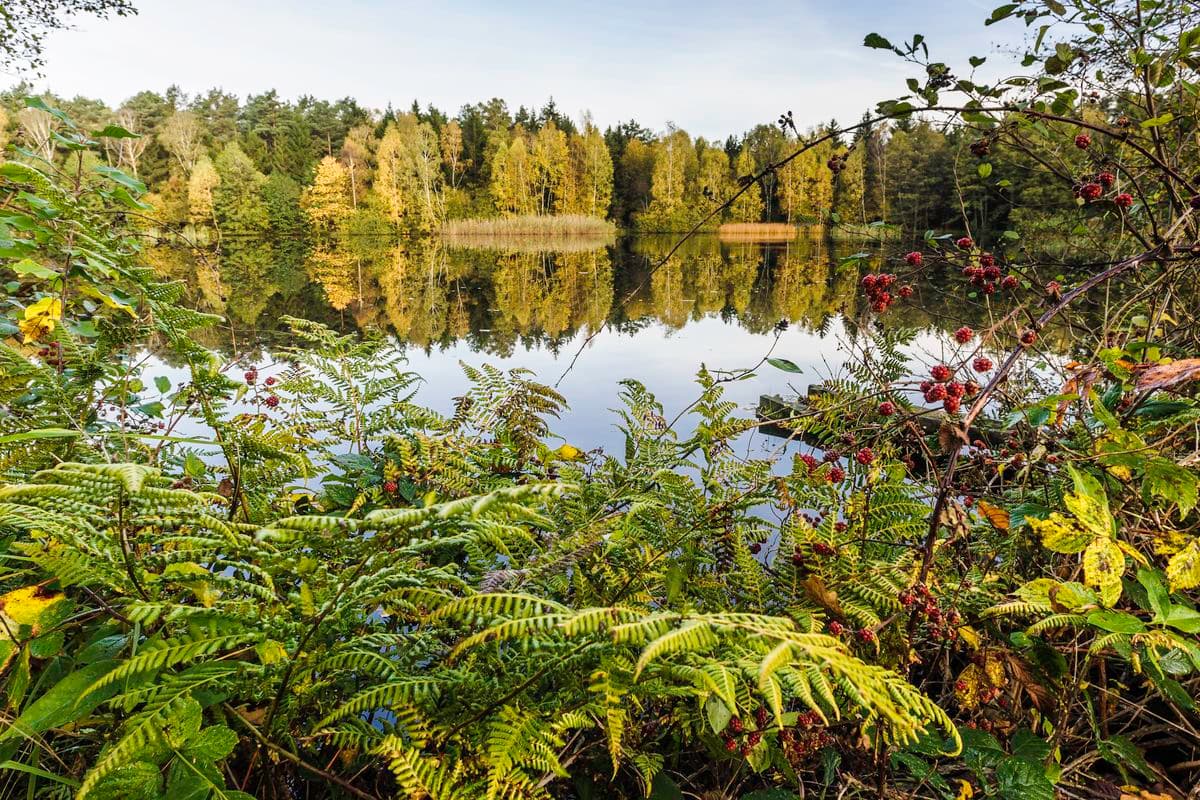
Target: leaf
(994, 514)
(41, 773)
(1172, 483)
(1183, 570)
(64, 702)
(984, 169)
(115, 132)
(212, 744)
(1161, 119)
(1156, 593)
(139, 780)
(27, 266)
(1060, 534)
(1020, 779)
(1116, 622)
(785, 365)
(1163, 375)
(117, 176)
(874, 40)
(717, 713)
(1103, 566)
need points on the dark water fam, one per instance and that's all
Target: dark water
(540, 304)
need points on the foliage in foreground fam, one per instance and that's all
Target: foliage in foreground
(301, 583)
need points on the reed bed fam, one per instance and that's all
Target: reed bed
(531, 225)
(757, 232)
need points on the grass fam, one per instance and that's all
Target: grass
(757, 232)
(531, 225)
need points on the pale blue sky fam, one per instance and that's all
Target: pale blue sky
(710, 67)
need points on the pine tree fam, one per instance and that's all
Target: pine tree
(237, 199)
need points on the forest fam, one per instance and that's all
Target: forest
(251, 167)
(966, 563)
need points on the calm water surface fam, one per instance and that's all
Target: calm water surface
(538, 303)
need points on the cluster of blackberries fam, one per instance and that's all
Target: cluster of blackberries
(864, 635)
(980, 147)
(738, 739)
(52, 355)
(939, 624)
(941, 389)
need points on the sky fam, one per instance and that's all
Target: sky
(712, 68)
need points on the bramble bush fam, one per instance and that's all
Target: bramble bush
(331, 591)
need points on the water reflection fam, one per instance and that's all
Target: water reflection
(502, 296)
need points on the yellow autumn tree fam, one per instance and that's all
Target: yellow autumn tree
(327, 201)
(201, 183)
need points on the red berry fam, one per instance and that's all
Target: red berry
(907, 598)
(940, 372)
(730, 745)
(836, 628)
(754, 738)
(824, 549)
(797, 558)
(963, 335)
(736, 725)
(925, 386)
(991, 273)
(971, 389)
(251, 375)
(1091, 191)
(982, 364)
(272, 401)
(389, 487)
(989, 288)
(914, 259)
(755, 548)
(1123, 200)
(840, 527)
(887, 408)
(837, 475)
(965, 243)
(1009, 282)
(936, 392)
(1106, 179)
(960, 686)
(906, 291)
(1083, 141)
(987, 260)
(951, 404)
(865, 635)
(269, 381)
(1028, 337)
(955, 389)
(864, 456)
(868, 281)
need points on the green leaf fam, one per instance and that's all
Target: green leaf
(718, 713)
(1161, 119)
(162, 383)
(41, 773)
(117, 176)
(1000, 13)
(1116, 622)
(1019, 779)
(1183, 619)
(115, 132)
(1156, 592)
(137, 781)
(984, 169)
(65, 702)
(1122, 753)
(785, 365)
(877, 42)
(27, 266)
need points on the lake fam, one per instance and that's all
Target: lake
(542, 304)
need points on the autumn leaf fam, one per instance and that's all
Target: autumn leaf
(40, 318)
(994, 514)
(1103, 566)
(1160, 376)
(1061, 534)
(1183, 570)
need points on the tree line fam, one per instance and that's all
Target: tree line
(266, 165)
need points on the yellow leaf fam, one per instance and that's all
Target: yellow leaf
(965, 790)
(40, 318)
(1183, 570)
(970, 636)
(25, 606)
(1103, 566)
(1061, 534)
(568, 453)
